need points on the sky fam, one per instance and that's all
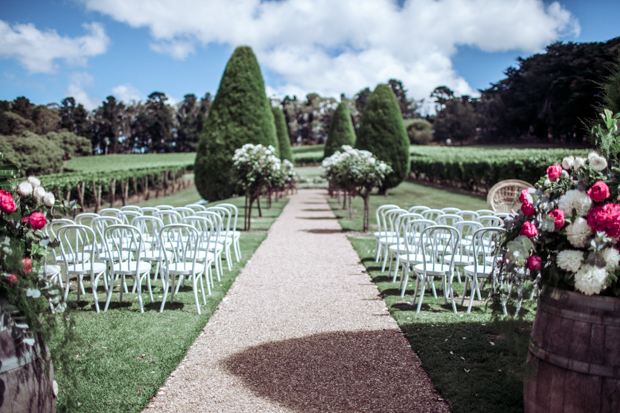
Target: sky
(90, 49)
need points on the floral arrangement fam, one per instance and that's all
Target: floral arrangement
(25, 289)
(357, 172)
(567, 230)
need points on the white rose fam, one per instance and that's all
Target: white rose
(579, 162)
(568, 162)
(590, 280)
(39, 192)
(49, 200)
(34, 182)
(598, 163)
(578, 233)
(570, 260)
(25, 189)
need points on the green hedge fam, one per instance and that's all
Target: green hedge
(479, 168)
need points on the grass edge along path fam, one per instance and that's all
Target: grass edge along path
(121, 358)
(476, 364)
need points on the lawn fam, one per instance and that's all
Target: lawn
(116, 361)
(476, 363)
(129, 161)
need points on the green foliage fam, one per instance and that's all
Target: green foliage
(456, 121)
(308, 121)
(112, 163)
(70, 143)
(341, 130)
(611, 89)
(382, 132)
(284, 142)
(419, 131)
(239, 114)
(32, 154)
(477, 168)
(606, 137)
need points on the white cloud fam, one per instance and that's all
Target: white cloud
(37, 50)
(127, 93)
(334, 46)
(77, 83)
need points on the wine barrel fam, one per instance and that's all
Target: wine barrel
(26, 374)
(575, 349)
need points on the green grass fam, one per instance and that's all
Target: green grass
(309, 172)
(474, 362)
(307, 148)
(130, 161)
(103, 356)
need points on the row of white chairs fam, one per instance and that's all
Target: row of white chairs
(432, 248)
(183, 247)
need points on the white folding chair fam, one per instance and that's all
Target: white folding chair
(225, 234)
(206, 256)
(382, 230)
(412, 242)
(218, 246)
(150, 227)
(85, 218)
(182, 260)
(484, 212)
(196, 207)
(417, 209)
(99, 225)
(391, 221)
(451, 210)
(432, 214)
(164, 207)
(109, 212)
(169, 216)
(400, 248)
(151, 211)
(233, 230)
(468, 215)
(73, 240)
(127, 216)
(120, 242)
(185, 212)
(488, 221)
(131, 208)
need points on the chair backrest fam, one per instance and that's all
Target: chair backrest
(149, 227)
(196, 207)
(206, 228)
(380, 216)
(450, 210)
(164, 207)
(439, 241)
(467, 229)
(99, 226)
(468, 215)
(51, 230)
(504, 195)
(432, 214)
(484, 212)
(76, 241)
(185, 212)
(218, 222)
(448, 219)
(131, 208)
(487, 244)
(418, 209)
(85, 218)
(109, 212)
(182, 240)
(391, 219)
(128, 215)
(226, 215)
(235, 212)
(490, 221)
(149, 211)
(169, 216)
(503, 215)
(412, 231)
(120, 241)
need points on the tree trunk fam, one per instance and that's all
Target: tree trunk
(383, 191)
(269, 198)
(134, 182)
(58, 193)
(97, 200)
(366, 198)
(164, 181)
(350, 206)
(344, 199)
(112, 192)
(260, 211)
(245, 208)
(80, 193)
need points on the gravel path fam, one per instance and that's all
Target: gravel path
(302, 329)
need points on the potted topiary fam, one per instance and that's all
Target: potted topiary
(565, 239)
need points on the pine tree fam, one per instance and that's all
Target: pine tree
(282, 131)
(240, 114)
(341, 130)
(382, 132)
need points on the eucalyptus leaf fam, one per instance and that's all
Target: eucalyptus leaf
(33, 292)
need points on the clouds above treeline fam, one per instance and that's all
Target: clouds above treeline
(324, 46)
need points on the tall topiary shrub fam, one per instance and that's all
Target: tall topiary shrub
(240, 114)
(341, 130)
(284, 141)
(382, 132)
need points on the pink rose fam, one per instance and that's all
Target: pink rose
(599, 191)
(36, 220)
(554, 172)
(533, 263)
(558, 216)
(528, 209)
(7, 203)
(523, 196)
(26, 265)
(529, 230)
(605, 218)
(12, 280)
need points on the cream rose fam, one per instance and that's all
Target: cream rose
(49, 200)
(25, 189)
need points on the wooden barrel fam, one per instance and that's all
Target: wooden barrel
(575, 349)
(26, 377)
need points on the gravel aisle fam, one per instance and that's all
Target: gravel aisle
(302, 329)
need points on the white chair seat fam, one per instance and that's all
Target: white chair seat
(459, 259)
(73, 258)
(384, 234)
(388, 240)
(396, 249)
(433, 269)
(151, 255)
(130, 267)
(84, 268)
(52, 270)
(411, 258)
(105, 256)
(185, 268)
(484, 271)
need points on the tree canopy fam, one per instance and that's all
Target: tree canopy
(341, 130)
(284, 141)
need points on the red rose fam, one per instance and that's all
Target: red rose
(27, 265)
(558, 216)
(36, 220)
(12, 280)
(605, 218)
(554, 172)
(533, 263)
(7, 203)
(523, 196)
(528, 209)
(599, 191)
(529, 230)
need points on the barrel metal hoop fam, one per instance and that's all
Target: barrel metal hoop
(577, 316)
(17, 362)
(574, 365)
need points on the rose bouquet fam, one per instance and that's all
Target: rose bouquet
(566, 233)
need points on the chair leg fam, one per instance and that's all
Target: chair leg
(473, 290)
(396, 269)
(148, 284)
(93, 284)
(110, 288)
(432, 280)
(202, 288)
(196, 293)
(422, 288)
(415, 291)
(136, 280)
(165, 280)
(123, 282)
(403, 282)
(465, 290)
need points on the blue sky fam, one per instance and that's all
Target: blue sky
(90, 49)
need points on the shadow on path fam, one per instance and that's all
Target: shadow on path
(338, 371)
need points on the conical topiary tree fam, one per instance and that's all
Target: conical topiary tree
(382, 132)
(341, 130)
(284, 141)
(240, 114)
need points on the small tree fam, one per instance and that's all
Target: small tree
(358, 171)
(341, 130)
(255, 166)
(284, 141)
(419, 131)
(382, 132)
